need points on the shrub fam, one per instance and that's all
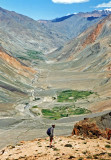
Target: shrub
(55, 149)
(80, 158)
(68, 145)
(109, 154)
(107, 146)
(35, 107)
(71, 157)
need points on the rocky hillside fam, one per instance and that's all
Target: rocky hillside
(15, 82)
(64, 148)
(19, 33)
(90, 51)
(94, 41)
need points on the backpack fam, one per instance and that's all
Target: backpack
(49, 131)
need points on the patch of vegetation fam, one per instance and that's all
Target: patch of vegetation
(81, 158)
(35, 107)
(11, 147)
(102, 153)
(31, 54)
(107, 146)
(19, 144)
(95, 156)
(89, 157)
(63, 111)
(105, 159)
(55, 149)
(23, 58)
(109, 154)
(68, 145)
(73, 95)
(26, 103)
(85, 152)
(39, 146)
(36, 99)
(71, 157)
(35, 54)
(108, 142)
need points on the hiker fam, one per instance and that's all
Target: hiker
(50, 133)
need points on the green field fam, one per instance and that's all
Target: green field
(64, 111)
(35, 54)
(35, 107)
(32, 55)
(73, 95)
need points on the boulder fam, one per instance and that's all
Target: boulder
(89, 128)
(108, 132)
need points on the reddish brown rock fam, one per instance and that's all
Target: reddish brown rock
(108, 131)
(75, 131)
(92, 36)
(23, 70)
(88, 128)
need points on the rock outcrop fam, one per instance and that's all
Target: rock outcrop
(91, 127)
(108, 132)
(88, 129)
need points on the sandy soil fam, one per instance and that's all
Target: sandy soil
(76, 148)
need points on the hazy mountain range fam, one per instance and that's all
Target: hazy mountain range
(74, 24)
(23, 33)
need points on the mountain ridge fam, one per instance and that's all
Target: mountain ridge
(95, 14)
(25, 33)
(87, 37)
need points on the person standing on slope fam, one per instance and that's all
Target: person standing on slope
(50, 133)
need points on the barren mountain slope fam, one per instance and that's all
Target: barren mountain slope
(23, 33)
(15, 82)
(95, 39)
